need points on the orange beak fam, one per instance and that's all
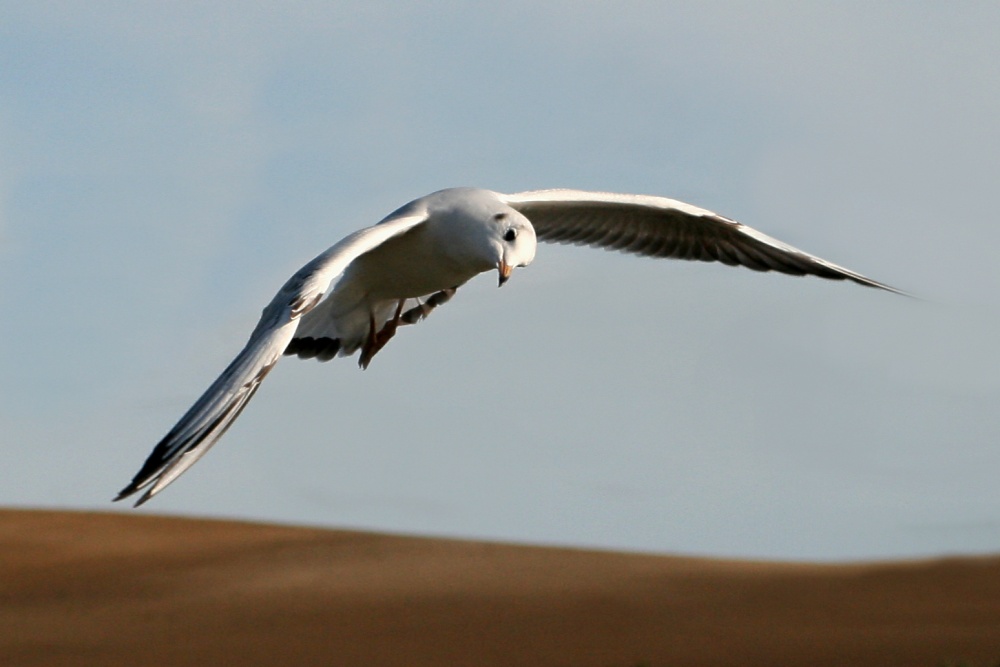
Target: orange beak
(504, 269)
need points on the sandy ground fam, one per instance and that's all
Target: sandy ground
(109, 589)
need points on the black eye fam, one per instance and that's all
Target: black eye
(510, 235)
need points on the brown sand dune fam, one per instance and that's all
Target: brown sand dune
(107, 589)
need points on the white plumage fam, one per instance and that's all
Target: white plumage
(397, 271)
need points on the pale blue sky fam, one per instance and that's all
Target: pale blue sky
(165, 166)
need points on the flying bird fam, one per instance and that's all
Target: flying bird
(353, 297)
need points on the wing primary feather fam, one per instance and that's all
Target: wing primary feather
(205, 422)
(216, 410)
(190, 455)
(661, 227)
(724, 253)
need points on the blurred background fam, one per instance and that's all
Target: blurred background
(164, 167)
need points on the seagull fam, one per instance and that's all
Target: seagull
(354, 296)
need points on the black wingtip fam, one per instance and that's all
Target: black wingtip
(142, 499)
(130, 490)
(323, 348)
(124, 493)
(868, 282)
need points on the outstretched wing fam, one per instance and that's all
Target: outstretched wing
(218, 407)
(661, 227)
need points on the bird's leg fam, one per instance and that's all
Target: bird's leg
(389, 330)
(377, 340)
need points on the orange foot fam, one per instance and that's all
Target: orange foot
(377, 340)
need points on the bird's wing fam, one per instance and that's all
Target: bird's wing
(218, 407)
(661, 227)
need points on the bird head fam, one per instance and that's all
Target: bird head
(514, 240)
(480, 232)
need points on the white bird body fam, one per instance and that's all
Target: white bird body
(395, 272)
(443, 253)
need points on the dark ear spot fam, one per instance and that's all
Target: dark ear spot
(500, 216)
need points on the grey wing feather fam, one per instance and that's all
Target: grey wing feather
(210, 417)
(214, 412)
(661, 227)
